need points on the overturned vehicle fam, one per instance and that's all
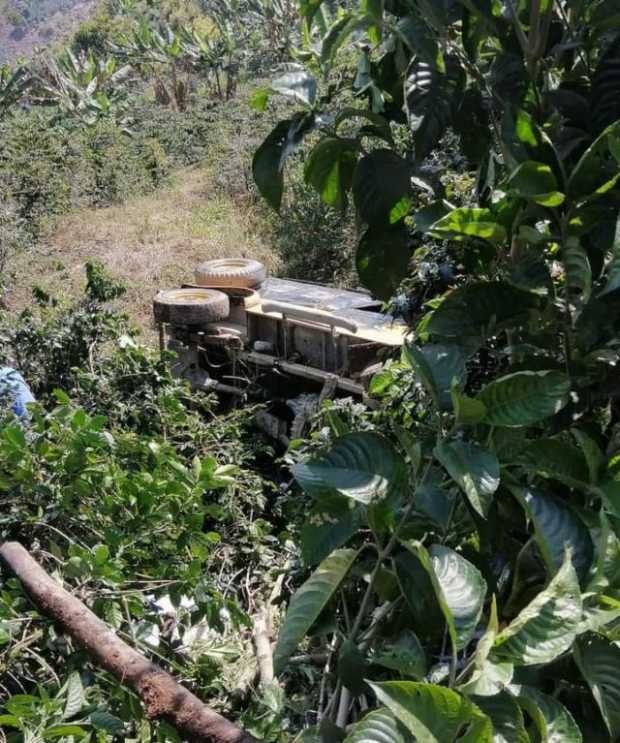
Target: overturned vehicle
(239, 332)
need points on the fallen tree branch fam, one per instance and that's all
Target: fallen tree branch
(162, 695)
(262, 642)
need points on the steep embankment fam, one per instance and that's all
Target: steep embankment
(28, 24)
(151, 242)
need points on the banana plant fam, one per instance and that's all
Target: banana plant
(13, 85)
(83, 86)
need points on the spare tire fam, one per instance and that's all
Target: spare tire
(238, 272)
(190, 306)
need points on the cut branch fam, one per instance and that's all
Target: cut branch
(262, 640)
(162, 695)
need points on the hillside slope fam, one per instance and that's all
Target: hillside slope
(28, 24)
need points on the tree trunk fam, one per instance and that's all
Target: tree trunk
(162, 695)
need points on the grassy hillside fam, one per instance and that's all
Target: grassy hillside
(28, 24)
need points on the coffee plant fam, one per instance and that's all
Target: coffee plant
(465, 551)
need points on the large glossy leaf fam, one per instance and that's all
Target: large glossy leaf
(556, 459)
(469, 222)
(75, 698)
(437, 365)
(506, 716)
(338, 34)
(270, 157)
(480, 310)
(613, 268)
(597, 166)
(577, 268)
(382, 259)
(459, 588)
(362, 466)
(524, 398)
(475, 470)
(535, 182)
(433, 713)
(379, 726)
(463, 588)
(467, 410)
(488, 678)
(299, 84)
(605, 106)
(554, 722)
(556, 527)
(547, 626)
(309, 601)
(420, 589)
(329, 169)
(599, 662)
(404, 655)
(332, 521)
(380, 181)
(433, 95)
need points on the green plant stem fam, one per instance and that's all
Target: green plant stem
(385, 553)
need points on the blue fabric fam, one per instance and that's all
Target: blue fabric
(14, 389)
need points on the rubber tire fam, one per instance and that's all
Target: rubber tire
(237, 272)
(190, 306)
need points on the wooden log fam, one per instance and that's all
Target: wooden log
(162, 695)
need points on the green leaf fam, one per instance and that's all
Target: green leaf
(547, 626)
(382, 259)
(338, 33)
(468, 222)
(474, 469)
(433, 95)
(556, 527)
(270, 157)
(379, 726)
(332, 521)
(467, 410)
(75, 699)
(380, 180)
(535, 182)
(60, 731)
(463, 588)
(524, 398)
(352, 668)
(506, 716)
(329, 169)
(308, 9)
(459, 588)
(260, 99)
(554, 722)
(557, 459)
(380, 126)
(599, 662)
(300, 85)
(309, 601)
(488, 678)
(613, 268)
(437, 365)
(103, 720)
(597, 165)
(420, 589)
(577, 268)
(433, 713)
(361, 466)
(405, 655)
(477, 311)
